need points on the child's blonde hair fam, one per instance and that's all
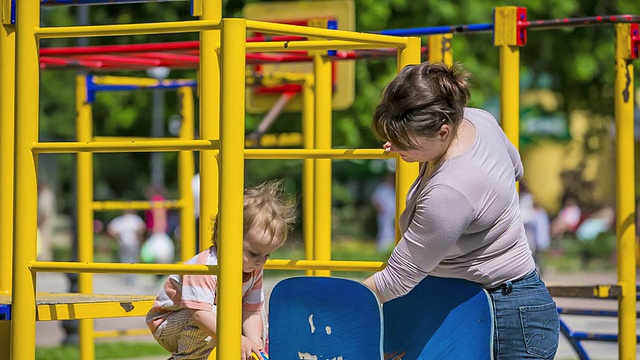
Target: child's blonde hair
(266, 207)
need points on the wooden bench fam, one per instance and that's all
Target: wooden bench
(75, 306)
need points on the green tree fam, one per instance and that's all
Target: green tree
(576, 63)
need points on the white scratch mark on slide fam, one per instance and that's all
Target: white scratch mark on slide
(313, 327)
(306, 356)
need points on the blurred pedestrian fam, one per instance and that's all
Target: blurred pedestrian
(159, 247)
(128, 229)
(47, 210)
(536, 224)
(383, 201)
(568, 219)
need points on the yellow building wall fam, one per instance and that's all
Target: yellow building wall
(545, 161)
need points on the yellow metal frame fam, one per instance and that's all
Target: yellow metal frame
(87, 206)
(186, 170)
(23, 296)
(506, 39)
(7, 81)
(228, 151)
(406, 173)
(26, 130)
(231, 152)
(209, 89)
(315, 13)
(625, 193)
(440, 49)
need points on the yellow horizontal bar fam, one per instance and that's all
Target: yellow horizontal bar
(134, 81)
(75, 311)
(339, 265)
(284, 29)
(124, 80)
(280, 46)
(177, 145)
(172, 27)
(118, 333)
(124, 146)
(316, 154)
(136, 205)
(68, 306)
(601, 291)
(118, 268)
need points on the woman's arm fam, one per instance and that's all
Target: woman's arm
(371, 284)
(440, 218)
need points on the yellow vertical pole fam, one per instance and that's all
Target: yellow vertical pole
(625, 193)
(233, 52)
(209, 91)
(185, 174)
(440, 49)
(7, 83)
(23, 310)
(406, 172)
(84, 210)
(506, 39)
(308, 136)
(322, 170)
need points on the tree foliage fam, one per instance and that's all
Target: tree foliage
(576, 63)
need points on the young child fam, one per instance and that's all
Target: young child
(183, 317)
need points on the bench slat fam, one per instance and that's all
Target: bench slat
(74, 306)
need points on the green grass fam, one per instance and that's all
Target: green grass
(104, 351)
(570, 255)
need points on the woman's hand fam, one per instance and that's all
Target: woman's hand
(249, 347)
(387, 147)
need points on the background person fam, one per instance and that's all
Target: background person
(158, 247)
(568, 219)
(536, 224)
(383, 201)
(128, 229)
(462, 218)
(47, 210)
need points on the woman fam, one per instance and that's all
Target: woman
(462, 218)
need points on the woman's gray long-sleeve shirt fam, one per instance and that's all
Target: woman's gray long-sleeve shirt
(463, 220)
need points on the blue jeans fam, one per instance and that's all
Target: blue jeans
(526, 320)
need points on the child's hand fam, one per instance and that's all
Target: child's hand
(249, 347)
(261, 356)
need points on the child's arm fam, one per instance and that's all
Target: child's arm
(206, 321)
(252, 328)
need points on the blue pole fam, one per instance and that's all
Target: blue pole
(434, 30)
